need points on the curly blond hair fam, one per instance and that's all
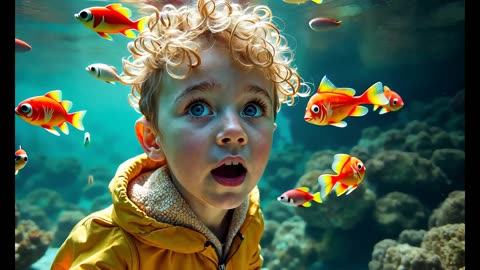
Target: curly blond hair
(171, 41)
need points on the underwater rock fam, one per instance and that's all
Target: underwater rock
(398, 211)
(450, 211)
(409, 173)
(288, 246)
(448, 242)
(31, 243)
(452, 162)
(411, 237)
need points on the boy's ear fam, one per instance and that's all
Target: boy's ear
(148, 139)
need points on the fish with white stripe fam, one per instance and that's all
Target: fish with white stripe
(49, 111)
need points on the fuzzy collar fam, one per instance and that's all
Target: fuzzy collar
(154, 193)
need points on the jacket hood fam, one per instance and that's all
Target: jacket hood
(189, 238)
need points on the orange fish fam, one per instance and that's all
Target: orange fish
(50, 111)
(349, 173)
(111, 19)
(299, 197)
(22, 46)
(330, 105)
(21, 159)
(395, 101)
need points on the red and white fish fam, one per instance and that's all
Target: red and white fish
(323, 24)
(21, 159)
(299, 197)
(350, 172)
(111, 19)
(395, 101)
(50, 111)
(22, 46)
(104, 73)
(330, 105)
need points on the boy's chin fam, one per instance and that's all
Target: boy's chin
(228, 201)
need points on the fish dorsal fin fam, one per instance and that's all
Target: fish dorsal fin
(66, 104)
(55, 94)
(305, 189)
(386, 89)
(339, 161)
(114, 69)
(122, 10)
(326, 86)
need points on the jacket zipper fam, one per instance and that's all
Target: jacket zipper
(223, 264)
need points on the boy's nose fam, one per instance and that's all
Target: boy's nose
(231, 130)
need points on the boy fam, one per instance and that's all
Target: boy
(209, 80)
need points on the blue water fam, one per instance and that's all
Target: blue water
(415, 47)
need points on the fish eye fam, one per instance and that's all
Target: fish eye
(26, 108)
(395, 101)
(25, 159)
(315, 109)
(360, 165)
(85, 15)
(92, 68)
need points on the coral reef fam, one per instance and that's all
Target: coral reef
(450, 211)
(397, 211)
(31, 242)
(448, 242)
(441, 247)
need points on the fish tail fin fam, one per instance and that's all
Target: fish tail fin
(141, 24)
(76, 119)
(374, 95)
(317, 198)
(122, 80)
(318, 1)
(326, 184)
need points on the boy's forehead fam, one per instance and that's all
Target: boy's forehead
(217, 68)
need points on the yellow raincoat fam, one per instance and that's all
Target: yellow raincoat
(122, 236)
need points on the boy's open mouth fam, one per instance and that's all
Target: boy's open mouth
(229, 175)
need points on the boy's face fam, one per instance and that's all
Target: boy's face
(219, 114)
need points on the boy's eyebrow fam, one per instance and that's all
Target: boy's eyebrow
(207, 86)
(259, 90)
(204, 86)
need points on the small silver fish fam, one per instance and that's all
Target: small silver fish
(104, 72)
(86, 139)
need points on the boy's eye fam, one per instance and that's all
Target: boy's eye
(199, 110)
(252, 110)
